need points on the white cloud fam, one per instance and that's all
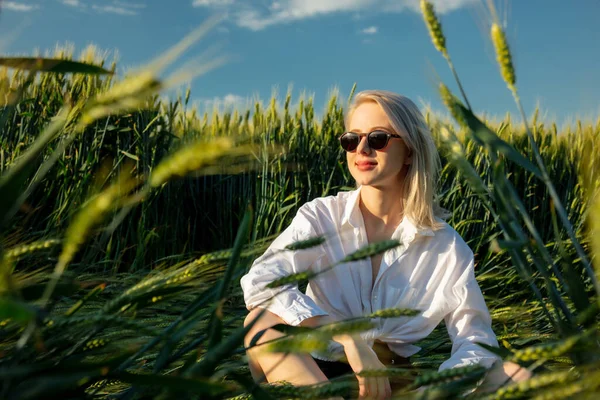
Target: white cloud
(230, 102)
(14, 6)
(129, 5)
(286, 11)
(72, 3)
(116, 7)
(114, 10)
(212, 3)
(369, 31)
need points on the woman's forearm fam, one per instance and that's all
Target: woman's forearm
(316, 321)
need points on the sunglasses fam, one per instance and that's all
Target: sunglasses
(377, 140)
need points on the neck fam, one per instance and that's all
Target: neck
(381, 206)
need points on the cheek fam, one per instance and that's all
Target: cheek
(395, 160)
(350, 159)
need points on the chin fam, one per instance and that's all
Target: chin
(374, 180)
(365, 181)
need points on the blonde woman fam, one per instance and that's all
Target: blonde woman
(393, 159)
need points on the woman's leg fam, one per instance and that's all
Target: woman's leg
(393, 360)
(297, 369)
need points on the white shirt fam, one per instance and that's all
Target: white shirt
(431, 271)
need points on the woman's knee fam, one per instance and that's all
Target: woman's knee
(267, 320)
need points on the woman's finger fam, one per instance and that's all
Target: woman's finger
(371, 387)
(362, 388)
(388, 388)
(381, 394)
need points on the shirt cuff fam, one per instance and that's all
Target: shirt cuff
(484, 361)
(301, 308)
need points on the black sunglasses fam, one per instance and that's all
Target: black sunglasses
(377, 140)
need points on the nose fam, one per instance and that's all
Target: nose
(363, 146)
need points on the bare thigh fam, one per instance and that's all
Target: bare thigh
(297, 369)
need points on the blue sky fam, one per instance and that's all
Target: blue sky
(316, 45)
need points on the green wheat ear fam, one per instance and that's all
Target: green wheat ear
(521, 389)
(190, 158)
(306, 244)
(586, 383)
(452, 143)
(346, 327)
(503, 56)
(447, 375)
(17, 252)
(291, 279)
(547, 350)
(371, 250)
(82, 225)
(434, 26)
(393, 313)
(452, 104)
(303, 343)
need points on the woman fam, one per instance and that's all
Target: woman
(392, 157)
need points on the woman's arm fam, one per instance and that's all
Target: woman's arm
(468, 323)
(288, 302)
(362, 357)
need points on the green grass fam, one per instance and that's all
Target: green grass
(113, 280)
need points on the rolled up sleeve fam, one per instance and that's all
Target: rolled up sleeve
(288, 302)
(468, 323)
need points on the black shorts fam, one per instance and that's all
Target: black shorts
(333, 369)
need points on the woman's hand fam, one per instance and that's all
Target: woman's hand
(362, 357)
(503, 373)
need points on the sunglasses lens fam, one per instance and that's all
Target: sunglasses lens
(349, 141)
(377, 140)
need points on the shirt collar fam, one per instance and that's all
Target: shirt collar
(351, 213)
(405, 232)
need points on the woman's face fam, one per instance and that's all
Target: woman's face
(379, 168)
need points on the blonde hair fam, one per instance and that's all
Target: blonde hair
(419, 191)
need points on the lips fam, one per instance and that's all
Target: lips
(365, 163)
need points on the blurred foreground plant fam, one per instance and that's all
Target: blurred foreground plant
(176, 331)
(569, 294)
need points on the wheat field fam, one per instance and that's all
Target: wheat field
(127, 219)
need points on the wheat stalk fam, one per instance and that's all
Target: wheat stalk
(503, 56)
(19, 251)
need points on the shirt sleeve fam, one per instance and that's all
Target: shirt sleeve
(288, 302)
(468, 323)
